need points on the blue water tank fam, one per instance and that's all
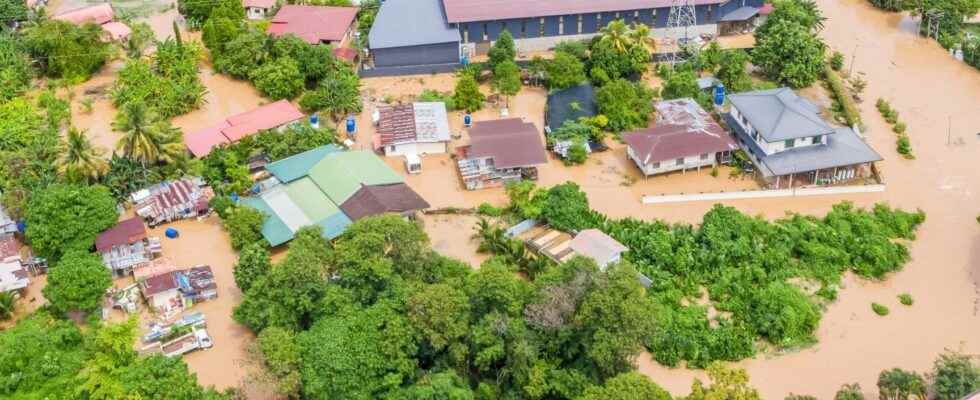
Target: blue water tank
(234, 197)
(351, 126)
(256, 188)
(465, 60)
(314, 119)
(467, 120)
(172, 233)
(719, 94)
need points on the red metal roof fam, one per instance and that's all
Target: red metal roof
(489, 10)
(766, 9)
(510, 142)
(97, 14)
(236, 127)
(345, 53)
(126, 232)
(314, 24)
(9, 247)
(397, 124)
(683, 129)
(117, 30)
(258, 3)
(159, 283)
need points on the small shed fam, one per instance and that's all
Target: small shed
(598, 246)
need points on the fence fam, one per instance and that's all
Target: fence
(763, 194)
(408, 70)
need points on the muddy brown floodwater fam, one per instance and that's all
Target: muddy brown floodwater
(929, 89)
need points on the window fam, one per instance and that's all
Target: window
(579, 24)
(790, 143)
(523, 29)
(655, 165)
(598, 20)
(680, 161)
(466, 33)
(541, 27)
(391, 149)
(704, 156)
(485, 35)
(817, 139)
(617, 15)
(636, 17)
(561, 25)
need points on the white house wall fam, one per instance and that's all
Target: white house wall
(415, 148)
(690, 162)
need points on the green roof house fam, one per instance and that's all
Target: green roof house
(313, 186)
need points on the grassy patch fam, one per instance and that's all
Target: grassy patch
(844, 108)
(879, 309)
(905, 299)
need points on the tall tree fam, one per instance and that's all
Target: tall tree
(626, 386)
(77, 282)
(60, 218)
(726, 383)
(503, 49)
(564, 71)
(80, 160)
(627, 105)
(467, 95)
(954, 375)
(507, 78)
(147, 138)
(789, 54)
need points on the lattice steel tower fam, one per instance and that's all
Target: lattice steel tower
(680, 21)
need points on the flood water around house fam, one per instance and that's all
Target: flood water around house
(930, 90)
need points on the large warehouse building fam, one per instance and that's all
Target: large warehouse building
(441, 32)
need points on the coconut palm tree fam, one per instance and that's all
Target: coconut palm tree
(80, 159)
(618, 35)
(640, 33)
(147, 139)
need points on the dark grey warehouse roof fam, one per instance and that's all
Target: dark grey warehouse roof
(843, 148)
(740, 14)
(402, 23)
(780, 114)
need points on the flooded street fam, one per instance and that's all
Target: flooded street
(929, 89)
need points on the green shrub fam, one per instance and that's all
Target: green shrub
(843, 98)
(879, 309)
(837, 61)
(904, 147)
(430, 95)
(883, 106)
(489, 210)
(850, 391)
(891, 116)
(899, 128)
(905, 299)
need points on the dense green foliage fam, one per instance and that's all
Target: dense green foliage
(905, 299)
(61, 218)
(898, 384)
(627, 105)
(338, 94)
(850, 391)
(748, 266)
(503, 50)
(244, 226)
(280, 354)
(167, 83)
(506, 78)
(725, 384)
(63, 50)
(15, 67)
(619, 51)
(7, 305)
(626, 386)
(45, 358)
(28, 150)
(787, 48)
(253, 264)
(429, 95)
(198, 11)
(279, 79)
(954, 375)
(78, 282)
(467, 95)
(565, 71)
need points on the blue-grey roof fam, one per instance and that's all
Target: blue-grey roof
(780, 114)
(402, 23)
(740, 14)
(840, 149)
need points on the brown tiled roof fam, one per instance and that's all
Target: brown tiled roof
(489, 10)
(397, 124)
(380, 199)
(126, 232)
(159, 284)
(683, 129)
(510, 142)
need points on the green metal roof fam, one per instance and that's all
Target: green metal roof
(341, 174)
(311, 200)
(294, 167)
(274, 230)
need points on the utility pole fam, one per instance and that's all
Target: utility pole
(853, 56)
(949, 131)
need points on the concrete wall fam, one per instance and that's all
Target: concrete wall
(440, 53)
(415, 148)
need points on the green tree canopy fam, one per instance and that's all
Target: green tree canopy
(77, 282)
(898, 384)
(338, 94)
(565, 71)
(726, 383)
(789, 53)
(954, 375)
(507, 78)
(67, 51)
(503, 50)
(626, 386)
(467, 95)
(253, 264)
(61, 218)
(627, 105)
(278, 79)
(15, 68)
(244, 226)
(244, 54)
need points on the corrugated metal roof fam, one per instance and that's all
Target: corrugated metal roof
(380, 199)
(402, 23)
(313, 24)
(340, 175)
(117, 30)
(334, 225)
(510, 142)
(274, 230)
(126, 232)
(489, 10)
(597, 245)
(424, 122)
(780, 114)
(308, 197)
(97, 14)
(740, 14)
(297, 166)
(683, 129)
(236, 127)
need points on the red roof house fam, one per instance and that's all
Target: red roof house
(100, 14)
(684, 137)
(124, 233)
(236, 127)
(315, 24)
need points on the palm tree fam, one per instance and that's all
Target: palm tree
(6, 305)
(80, 159)
(147, 139)
(617, 34)
(640, 33)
